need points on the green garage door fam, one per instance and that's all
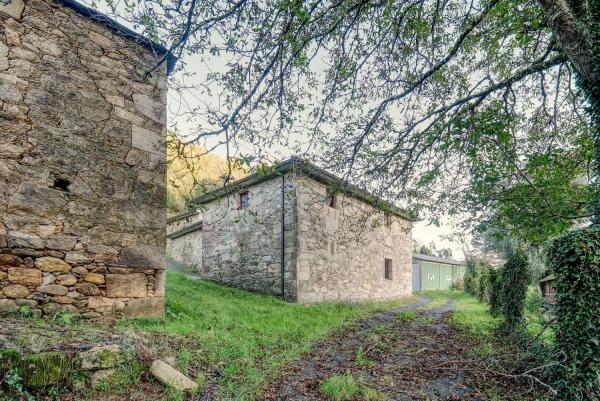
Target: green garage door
(440, 276)
(430, 276)
(445, 277)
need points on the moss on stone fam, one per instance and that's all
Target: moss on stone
(108, 358)
(9, 359)
(41, 370)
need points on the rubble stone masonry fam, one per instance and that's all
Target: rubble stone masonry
(82, 172)
(332, 252)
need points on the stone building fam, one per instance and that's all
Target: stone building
(297, 231)
(82, 172)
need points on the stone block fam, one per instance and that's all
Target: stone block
(15, 291)
(160, 287)
(103, 304)
(147, 140)
(10, 260)
(150, 306)
(7, 305)
(99, 377)
(24, 276)
(16, 239)
(94, 278)
(52, 308)
(48, 278)
(50, 264)
(61, 243)
(11, 151)
(3, 57)
(66, 279)
(62, 300)
(143, 256)
(170, 376)
(100, 357)
(150, 108)
(79, 270)
(53, 289)
(32, 303)
(126, 285)
(37, 199)
(87, 289)
(77, 257)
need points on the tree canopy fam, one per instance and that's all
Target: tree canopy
(487, 109)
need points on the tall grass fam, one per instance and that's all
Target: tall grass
(247, 336)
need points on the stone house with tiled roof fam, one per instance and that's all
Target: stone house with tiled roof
(297, 231)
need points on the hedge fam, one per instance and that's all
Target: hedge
(575, 261)
(515, 279)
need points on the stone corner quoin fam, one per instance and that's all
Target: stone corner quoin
(82, 165)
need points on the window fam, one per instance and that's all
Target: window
(244, 200)
(388, 219)
(331, 200)
(388, 269)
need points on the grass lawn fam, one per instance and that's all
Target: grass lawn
(475, 316)
(469, 313)
(235, 340)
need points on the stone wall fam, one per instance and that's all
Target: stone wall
(187, 249)
(184, 239)
(242, 247)
(182, 221)
(341, 250)
(82, 169)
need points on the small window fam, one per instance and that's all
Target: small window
(388, 269)
(244, 200)
(388, 219)
(332, 200)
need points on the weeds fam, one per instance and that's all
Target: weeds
(345, 387)
(361, 359)
(406, 315)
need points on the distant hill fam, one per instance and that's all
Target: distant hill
(192, 171)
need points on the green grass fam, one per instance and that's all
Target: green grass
(406, 315)
(340, 388)
(533, 318)
(247, 337)
(345, 387)
(469, 314)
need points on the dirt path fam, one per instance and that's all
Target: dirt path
(402, 355)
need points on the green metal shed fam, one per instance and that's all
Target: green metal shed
(431, 273)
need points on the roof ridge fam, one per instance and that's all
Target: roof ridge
(311, 170)
(122, 30)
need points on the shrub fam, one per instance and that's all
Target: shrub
(483, 289)
(495, 291)
(575, 261)
(515, 279)
(459, 285)
(476, 281)
(471, 278)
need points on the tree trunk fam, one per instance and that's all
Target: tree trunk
(578, 35)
